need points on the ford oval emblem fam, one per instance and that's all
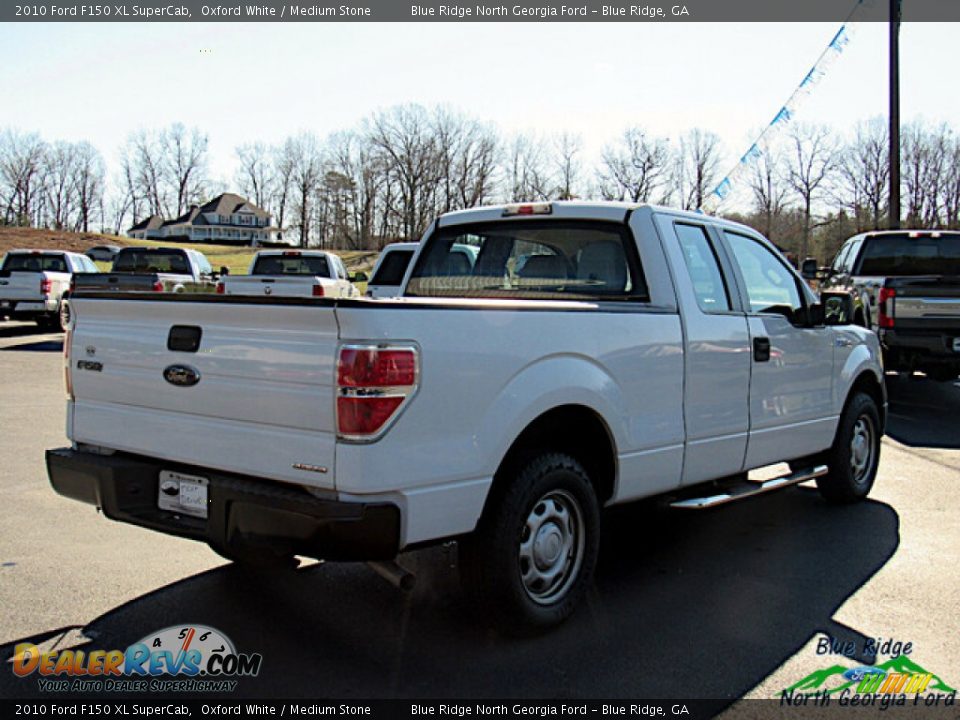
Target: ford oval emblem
(182, 375)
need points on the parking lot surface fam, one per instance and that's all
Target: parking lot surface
(726, 603)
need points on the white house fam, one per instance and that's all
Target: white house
(227, 219)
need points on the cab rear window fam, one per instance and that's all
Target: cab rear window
(392, 268)
(901, 254)
(22, 262)
(530, 259)
(291, 265)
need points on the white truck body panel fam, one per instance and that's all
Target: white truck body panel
(20, 289)
(676, 388)
(335, 283)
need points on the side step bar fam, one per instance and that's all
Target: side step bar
(749, 489)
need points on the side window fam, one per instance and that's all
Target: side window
(704, 268)
(203, 265)
(770, 286)
(851, 258)
(841, 258)
(341, 270)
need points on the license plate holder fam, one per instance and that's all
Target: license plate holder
(183, 494)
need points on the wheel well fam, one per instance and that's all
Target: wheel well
(572, 429)
(867, 382)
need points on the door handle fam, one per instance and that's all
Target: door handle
(761, 349)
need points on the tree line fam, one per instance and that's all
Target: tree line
(387, 178)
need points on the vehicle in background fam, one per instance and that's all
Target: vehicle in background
(33, 283)
(641, 352)
(391, 267)
(906, 285)
(153, 269)
(292, 273)
(103, 253)
(387, 275)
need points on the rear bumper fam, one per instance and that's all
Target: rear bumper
(25, 310)
(246, 516)
(917, 348)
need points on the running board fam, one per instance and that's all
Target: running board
(749, 489)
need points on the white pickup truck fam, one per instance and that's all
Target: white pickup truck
(32, 283)
(292, 273)
(592, 354)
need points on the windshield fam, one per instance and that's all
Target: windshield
(34, 263)
(892, 255)
(291, 265)
(152, 261)
(392, 268)
(529, 259)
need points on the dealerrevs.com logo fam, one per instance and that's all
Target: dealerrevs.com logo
(181, 658)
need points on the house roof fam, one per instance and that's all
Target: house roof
(230, 203)
(187, 217)
(150, 223)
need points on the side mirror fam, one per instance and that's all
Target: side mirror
(809, 269)
(357, 277)
(838, 308)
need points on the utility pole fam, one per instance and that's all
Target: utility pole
(894, 221)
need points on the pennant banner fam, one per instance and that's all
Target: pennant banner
(783, 116)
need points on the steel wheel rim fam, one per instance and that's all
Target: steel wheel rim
(552, 543)
(862, 449)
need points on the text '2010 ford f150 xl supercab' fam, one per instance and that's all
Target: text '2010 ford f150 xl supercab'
(589, 355)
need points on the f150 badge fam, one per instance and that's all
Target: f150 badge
(182, 375)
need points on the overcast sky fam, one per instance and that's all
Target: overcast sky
(246, 82)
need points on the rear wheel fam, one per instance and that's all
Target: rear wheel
(532, 557)
(855, 455)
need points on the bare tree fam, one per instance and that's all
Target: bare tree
(863, 175)
(185, 164)
(810, 167)
(21, 172)
(567, 149)
(405, 140)
(88, 183)
(302, 155)
(768, 188)
(697, 167)
(58, 182)
(144, 165)
(528, 178)
(255, 174)
(635, 167)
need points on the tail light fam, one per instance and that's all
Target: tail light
(318, 290)
(373, 384)
(221, 289)
(46, 285)
(158, 286)
(885, 307)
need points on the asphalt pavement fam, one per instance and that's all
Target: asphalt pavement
(726, 603)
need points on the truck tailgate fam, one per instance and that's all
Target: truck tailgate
(21, 286)
(298, 286)
(262, 401)
(926, 302)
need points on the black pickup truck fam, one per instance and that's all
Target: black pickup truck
(906, 285)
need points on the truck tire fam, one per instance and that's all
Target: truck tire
(855, 455)
(533, 554)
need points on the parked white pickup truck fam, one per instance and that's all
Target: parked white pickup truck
(32, 283)
(637, 352)
(292, 273)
